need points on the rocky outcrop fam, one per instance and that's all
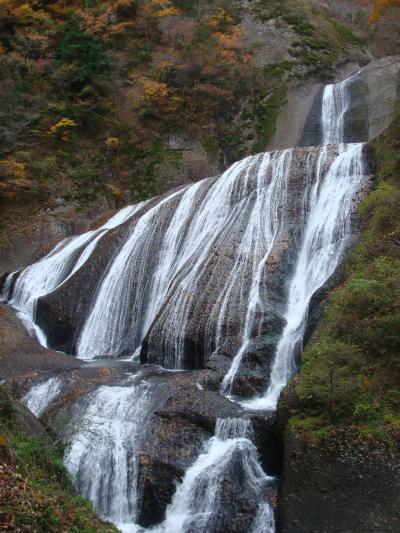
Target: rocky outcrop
(21, 356)
(338, 489)
(182, 419)
(14, 412)
(29, 233)
(62, 311)
(375, 93)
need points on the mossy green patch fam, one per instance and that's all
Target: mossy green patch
(267, 112)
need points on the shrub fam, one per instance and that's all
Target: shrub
(86, 53)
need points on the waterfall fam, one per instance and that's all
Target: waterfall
(168, 269)
(106, 330)
(264, 522)
(41, 395)
(222, 268)
(326, 238)
(54, 269)
(182, 249)
(336, 102)
(198, 503)
(103, 438)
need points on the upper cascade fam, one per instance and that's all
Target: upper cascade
(336, 102)
(201, 276)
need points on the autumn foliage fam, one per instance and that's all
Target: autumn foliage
(380, 6)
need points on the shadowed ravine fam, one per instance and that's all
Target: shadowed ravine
(216, 278)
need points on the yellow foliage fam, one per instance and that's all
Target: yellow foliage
(168, 11)
(155, 90)
(163, 65)
(112, 142)
(116, 191)
(12, 177)
(219, 17)
(230, 41)
(62, 128)
(164, 8)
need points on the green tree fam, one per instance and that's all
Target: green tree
(86, 53)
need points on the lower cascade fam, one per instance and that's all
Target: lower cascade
(199, 500)
(102, 440)
(217, 276)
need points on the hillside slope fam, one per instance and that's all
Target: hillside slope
(104, 103)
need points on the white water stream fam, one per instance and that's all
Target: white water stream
(198, 503)
(54, 269)
(42, 395)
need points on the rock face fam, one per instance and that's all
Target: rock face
(341, 490)
(21, 356)
(375, 92)
(42, 230)
(174, 428)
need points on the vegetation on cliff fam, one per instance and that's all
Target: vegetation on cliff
(349, 380)
(35, 491)
(94, 93)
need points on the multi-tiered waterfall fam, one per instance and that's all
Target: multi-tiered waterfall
(218, 274)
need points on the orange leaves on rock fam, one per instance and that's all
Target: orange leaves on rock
(380, 6)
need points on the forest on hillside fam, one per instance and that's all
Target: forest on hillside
(93, 92)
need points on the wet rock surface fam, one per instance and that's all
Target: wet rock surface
(182, 420)
(62, 312)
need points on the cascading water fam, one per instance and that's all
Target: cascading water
(54, 269)
(41, 395)
(202, 219)
(326, 238)
(336, 104)
(102, 442)
(198, 503)
(197, 265)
